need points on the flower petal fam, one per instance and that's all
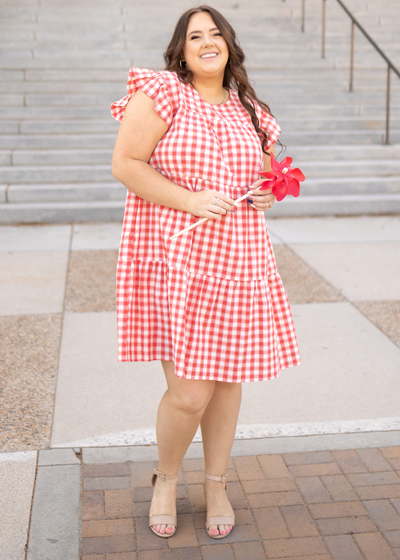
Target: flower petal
(287, 162)
(297, 174)
(280, 191)
(294, 188)
(266, 185)
(269, 174)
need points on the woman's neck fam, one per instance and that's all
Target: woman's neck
(211, 91)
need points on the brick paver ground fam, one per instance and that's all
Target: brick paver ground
(325, 505)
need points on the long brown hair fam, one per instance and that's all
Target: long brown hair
(235, 73)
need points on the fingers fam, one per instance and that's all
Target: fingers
(218, 205)
(224, 202)
(258, 183)
(262, 200)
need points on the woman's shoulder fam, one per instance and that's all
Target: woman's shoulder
(166, 80)
(144, 74)
(161, 86)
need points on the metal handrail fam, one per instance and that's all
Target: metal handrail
(354, 22)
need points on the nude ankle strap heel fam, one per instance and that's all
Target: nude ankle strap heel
(221, 478)
(162, 476)
(162, 519)
(221, 520)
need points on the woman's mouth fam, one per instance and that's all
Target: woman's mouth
(209, 55)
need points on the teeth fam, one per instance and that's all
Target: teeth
(208, 55)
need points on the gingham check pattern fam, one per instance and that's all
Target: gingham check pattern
(211, 300)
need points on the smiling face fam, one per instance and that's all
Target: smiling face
(206, 52)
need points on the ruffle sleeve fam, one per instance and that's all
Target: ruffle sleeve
(269, 124)
(153, 84)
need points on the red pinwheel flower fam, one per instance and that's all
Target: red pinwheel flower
(283, 179)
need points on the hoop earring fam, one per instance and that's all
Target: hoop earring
(180, 64)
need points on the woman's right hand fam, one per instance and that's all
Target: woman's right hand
(210, 204)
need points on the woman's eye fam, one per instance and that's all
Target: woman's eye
(194, 37)
(218, 34)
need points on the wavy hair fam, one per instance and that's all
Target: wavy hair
(235, 73)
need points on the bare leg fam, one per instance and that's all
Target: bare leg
(178, 418)
(218, 426)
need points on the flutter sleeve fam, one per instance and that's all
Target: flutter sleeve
(269, 124)
(154, 84)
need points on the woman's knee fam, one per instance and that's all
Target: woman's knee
(193, 400)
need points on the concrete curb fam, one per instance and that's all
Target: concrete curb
(261, 446)
(56, 518)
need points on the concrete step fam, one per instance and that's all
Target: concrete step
(294, 108)
(300, 46)
(46, 88)
(301, 138)
(5, 157)
(79, 192)
(341, 153)
(332, 111)
(125, 41)
(380, 161)
(120, 75)
(58, 192)
(47, 113)
(58, 97)
(56, 141)
(335, 98)
(343, 124)
(30, 106)
(62, 212)
(337, 205)
(60, 157)
(148, 59)
(79, 93)
(107, 141)
(103, 211)
(350, 185)
(91, 112)
(9, 127)
(338, 138)
(356, 168)
(56, 174)
(81, 126)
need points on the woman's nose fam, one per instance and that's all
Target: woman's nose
(208, 41)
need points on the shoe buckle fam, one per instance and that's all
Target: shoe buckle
(223, 478)
(161, 475)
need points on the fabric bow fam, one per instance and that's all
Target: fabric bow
(283, 179)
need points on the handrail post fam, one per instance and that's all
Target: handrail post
(323, 28)
(387, 106)
(352, 56)
(354, 23)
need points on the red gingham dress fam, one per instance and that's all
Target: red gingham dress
(211, 300)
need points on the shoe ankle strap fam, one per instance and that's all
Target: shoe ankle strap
(163, 476)
(221, 478)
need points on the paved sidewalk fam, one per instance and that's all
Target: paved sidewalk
(66, 404)
(321, 505)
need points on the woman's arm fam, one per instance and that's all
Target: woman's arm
(140, 131)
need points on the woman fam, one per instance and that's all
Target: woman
(209, 304)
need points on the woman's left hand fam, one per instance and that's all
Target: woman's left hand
(262, 199)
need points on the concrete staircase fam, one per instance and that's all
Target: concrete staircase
(63, 63)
